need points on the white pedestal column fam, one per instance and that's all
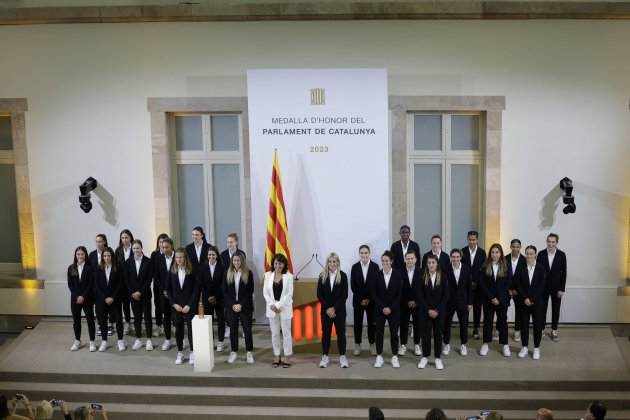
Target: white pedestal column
(203, 343)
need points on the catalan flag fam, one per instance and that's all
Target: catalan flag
(277, 229)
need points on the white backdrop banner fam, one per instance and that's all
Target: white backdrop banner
(330, 127)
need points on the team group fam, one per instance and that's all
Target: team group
(424, 292)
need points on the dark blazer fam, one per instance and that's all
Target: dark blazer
(102, 288)
(225, 256)
(413, 291)
(120, 256)
(333, 298)
(399, 258)
(192, 254)
(139, 282)
(211, 285)
(536, 291)
(445, 261)
(245, 294)
(434, 297)
(460, 293)
(359, 285)
(520, 265)
(496, 289)
(93, 259)
(186, 295)
(556, 275)
(83, 286)
(161, 273)
(480, 258)
(387, 297)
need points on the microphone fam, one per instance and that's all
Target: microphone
(296, 277)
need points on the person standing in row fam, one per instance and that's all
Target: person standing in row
(386, 293)
(278, 294)
(531, 286)
(555, 263)
(81, 283)
(157, 295)
(411, 285)
(238, 294)
(460, 301)
(362, 275)
(123, 253)
(138, 274)
(161, 270)
(211, 275)
(197, 250)
(184, 296)
(400, 248)
(436, 251)
(434, 297)
(495, 284)
(107, 289)
(94, 258)
(332, 293)
(515, 263)
(232, 248)
(473, 256)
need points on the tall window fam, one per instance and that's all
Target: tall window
(208, 177)
(10, 247)
(445, 176)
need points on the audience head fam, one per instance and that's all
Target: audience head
(44, 411)
(596, 411)
(4, 407)
(376, 414)
(494, 415)
(544, 414)
(435, 414)
(81, 413)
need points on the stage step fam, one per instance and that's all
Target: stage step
(255, 398)
(192, 412)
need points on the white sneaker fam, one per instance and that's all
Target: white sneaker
(149, 345)
(357, 349)
(136, 345)
(484, 349)
(423, 363)
(402, 350)
(343, 361)
(92, 346)
(417, 350)
(324, 362)
(250, 357)
(506, 351)
(495, 335)
(232, 357)
(191, 358)
(166, 345)
(373, 349)
(523, 353)
(395, 362)
(438, 364)
(536, 355)
(446, 350)
(463, 350)
(76, 345)
(554, 335)
(121, 345)
(103, 346)
(180, 358)
(378, 363)
(220, 346)
(517, 336)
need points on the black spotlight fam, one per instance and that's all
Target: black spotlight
(88, 185)
(566, 185)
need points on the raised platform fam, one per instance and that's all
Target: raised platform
(586, 364)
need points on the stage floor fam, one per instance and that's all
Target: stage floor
(584, 353)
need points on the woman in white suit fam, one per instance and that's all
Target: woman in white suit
(278, 293)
